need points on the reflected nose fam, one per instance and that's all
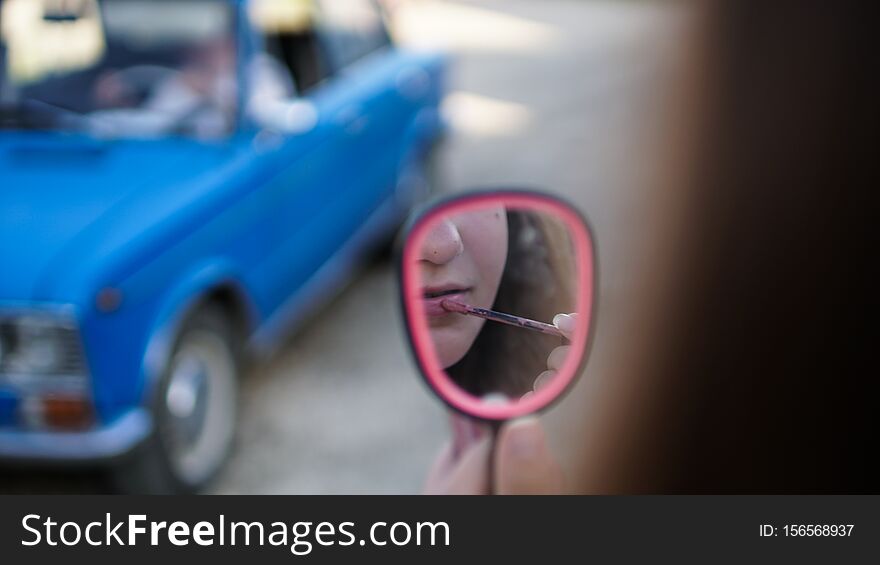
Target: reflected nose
(442, 244)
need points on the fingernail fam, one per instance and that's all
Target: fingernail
(543, 379)
(526, 438)
(564, 322)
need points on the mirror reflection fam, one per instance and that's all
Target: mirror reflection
(498, 290)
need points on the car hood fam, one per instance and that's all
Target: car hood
(54, 187)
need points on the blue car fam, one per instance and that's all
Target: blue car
(181, 182)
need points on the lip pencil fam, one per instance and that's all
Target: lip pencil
(509, 319)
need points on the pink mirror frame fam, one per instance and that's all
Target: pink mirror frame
(417, 326)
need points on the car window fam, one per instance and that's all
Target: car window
(288, 28)
(119, 67)
(351, 29)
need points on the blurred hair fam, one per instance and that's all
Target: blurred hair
(759, 362)
(538, 283)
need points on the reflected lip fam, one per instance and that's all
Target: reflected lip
(433, 296)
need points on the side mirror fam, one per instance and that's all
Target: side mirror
(288, 117)
(498, 291)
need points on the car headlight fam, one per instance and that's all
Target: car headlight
(40, 345)
(43, 366)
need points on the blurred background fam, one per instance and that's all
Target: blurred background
(551, 94)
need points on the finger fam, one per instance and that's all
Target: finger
(566, 323)
(469, 474)
(440, 469)
(543, 379)
(557, 357)
(523, 462)
(465, 432)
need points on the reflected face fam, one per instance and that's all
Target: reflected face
(461, 258)
(506, 265)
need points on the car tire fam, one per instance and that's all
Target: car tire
(194, 410)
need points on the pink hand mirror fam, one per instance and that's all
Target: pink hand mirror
(498, 292)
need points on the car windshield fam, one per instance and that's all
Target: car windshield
(118, 67)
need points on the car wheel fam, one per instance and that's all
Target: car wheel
(194, 409)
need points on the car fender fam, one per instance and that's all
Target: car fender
(190, 291)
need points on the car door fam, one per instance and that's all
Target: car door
(374, 113)
(327, 174)
(303, 153)
(352, 111)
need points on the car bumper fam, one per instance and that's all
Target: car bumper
(108, 442)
